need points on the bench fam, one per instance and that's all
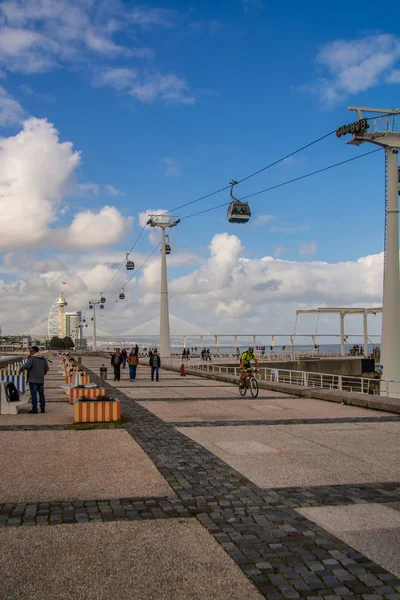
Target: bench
(10, 408)
(18, 380)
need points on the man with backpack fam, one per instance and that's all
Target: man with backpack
(37, 367)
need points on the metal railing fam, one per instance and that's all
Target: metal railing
(364, 385)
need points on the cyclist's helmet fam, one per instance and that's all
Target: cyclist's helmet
(250, 351)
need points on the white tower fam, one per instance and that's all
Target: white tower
(56, 321)
(384, 131)
(164, 221)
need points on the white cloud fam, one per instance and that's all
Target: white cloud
(354, 66)
(308, 249)
(225, 293)
(263, 219)
(393, 77)
(148, 17)
(35, 169)
(11, 112)
(111, 190)
(294, 229)
(40, 35)
(84, 189)
(90, 229)
(105, 46)
(279, 250)
(147, 86)
(174, 169)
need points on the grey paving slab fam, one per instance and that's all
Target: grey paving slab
(57, 413)
(278, 408)
(291, 459)
(377, 446)
(373, 529)
(148, 560)
(65, 465)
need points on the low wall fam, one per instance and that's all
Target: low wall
(351, 398)
(351, 367)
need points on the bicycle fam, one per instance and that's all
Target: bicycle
(249, 381)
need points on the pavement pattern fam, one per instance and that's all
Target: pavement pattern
(267, 540)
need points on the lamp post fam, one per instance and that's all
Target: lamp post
(384, 131)
(164, 221)
(92, 306)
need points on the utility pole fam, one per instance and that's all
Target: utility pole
(164, 221)
(384, 131)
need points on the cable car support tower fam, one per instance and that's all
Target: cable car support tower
(384, 130)
(163, 222)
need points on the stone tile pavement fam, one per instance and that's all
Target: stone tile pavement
(271, 548)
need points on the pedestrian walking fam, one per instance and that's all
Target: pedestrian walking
(133, 361)
(124, 358)
(116, 361)
(37, 367)
(155, 363)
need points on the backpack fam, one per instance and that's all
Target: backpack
(12, 392)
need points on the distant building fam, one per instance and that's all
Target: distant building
(73, 329)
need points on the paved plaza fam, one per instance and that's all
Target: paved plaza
(199, 493)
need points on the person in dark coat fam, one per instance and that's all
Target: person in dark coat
(37, 368)
(116, 361)
(155, 363)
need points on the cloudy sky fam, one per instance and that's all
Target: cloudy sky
(111, 110)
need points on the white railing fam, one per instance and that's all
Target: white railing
(281, 355)
(364, 385)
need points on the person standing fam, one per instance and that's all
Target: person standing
(124, 355)
(37, 367)
(116, 361)
(155, 363)
(133, 361)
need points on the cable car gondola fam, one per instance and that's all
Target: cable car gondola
(130, 265)
(122, 295)
(238, 212)
(102, 300)
(167, 245)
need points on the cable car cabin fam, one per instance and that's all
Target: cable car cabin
(122, 296)
(238, 212)
(130, 265)
(167, 249)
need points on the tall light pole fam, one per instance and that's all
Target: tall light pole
(384, 131)
(164, 221)
(92, 306)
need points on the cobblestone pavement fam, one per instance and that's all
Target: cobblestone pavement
(283, 553)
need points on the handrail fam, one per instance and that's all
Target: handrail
(365, 385)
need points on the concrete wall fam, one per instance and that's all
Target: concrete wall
(333, 366)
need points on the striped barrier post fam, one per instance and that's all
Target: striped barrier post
(96, 412)
(76, 393)
(85, 379)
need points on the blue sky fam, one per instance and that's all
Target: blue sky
(168, 101)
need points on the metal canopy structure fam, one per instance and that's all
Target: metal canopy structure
(343, 312)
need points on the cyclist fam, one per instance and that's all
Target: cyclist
(245, 363)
